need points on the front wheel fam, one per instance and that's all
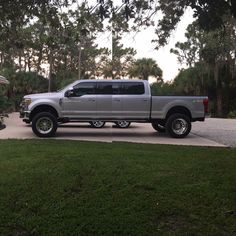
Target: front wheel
(178, 125)
(44, 124)
(97, 124)
(123, 124)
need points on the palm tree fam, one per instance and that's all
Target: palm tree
(145, 67)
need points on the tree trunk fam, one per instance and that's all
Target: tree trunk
(219, 96)
(2, 60)
(219, 91)
(39, 59)
(29, 63)
(20, 60)
(50, 71)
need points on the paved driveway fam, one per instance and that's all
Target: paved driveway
(219, 130)
(213, 132)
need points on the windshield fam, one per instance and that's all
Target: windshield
(65, 87)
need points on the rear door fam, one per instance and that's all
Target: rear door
(136, 103)
(104, 99)
(109, 102)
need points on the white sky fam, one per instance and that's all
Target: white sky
(167, 61)
(142, 44)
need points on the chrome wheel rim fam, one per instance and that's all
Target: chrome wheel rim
(97, 123)
(180, 126)
(44, 125)
(123, 124)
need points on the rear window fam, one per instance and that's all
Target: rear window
(108, 88)
(104, 88)
(132, 88)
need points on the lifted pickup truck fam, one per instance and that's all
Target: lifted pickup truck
(112, 101)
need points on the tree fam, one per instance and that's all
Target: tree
(212, 55)
(122, 58)
(209, 14)
(144, 68)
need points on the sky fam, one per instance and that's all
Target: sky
(141, 42)
(167, 61)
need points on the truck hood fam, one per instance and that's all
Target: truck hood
(42, 95)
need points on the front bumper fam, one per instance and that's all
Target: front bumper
(25, 115)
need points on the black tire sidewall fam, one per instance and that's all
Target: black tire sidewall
(158, 127)
(51, 117)
(124, 127)
(96, 127)
(171, 119)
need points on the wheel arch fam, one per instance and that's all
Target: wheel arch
(179, 110)
(43, 108)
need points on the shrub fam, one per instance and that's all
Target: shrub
(232, 114)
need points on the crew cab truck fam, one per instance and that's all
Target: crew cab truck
(112, 101)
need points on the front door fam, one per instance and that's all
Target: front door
(82, 103)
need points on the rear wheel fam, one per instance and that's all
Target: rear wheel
(178, 125)
(158, 127)
(97, 124)
(44, 124)
(123, 124)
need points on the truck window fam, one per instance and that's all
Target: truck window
(104, 88)
(84, 88)
(108, 88)
(116, 88)
(132, 88)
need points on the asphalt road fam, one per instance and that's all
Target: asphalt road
(212, 132)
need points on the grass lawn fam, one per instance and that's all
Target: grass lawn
(50, 187)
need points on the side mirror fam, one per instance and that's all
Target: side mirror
(69, 93)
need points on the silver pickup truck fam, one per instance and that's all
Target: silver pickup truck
(112, 101)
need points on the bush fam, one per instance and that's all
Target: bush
(232, 114)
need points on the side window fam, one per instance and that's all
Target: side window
(104, 88)
(132, 88)
(108, 88)
(116, 87)
(84, 88)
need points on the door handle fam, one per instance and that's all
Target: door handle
(91, 99)
(145, 100)
(116, 99)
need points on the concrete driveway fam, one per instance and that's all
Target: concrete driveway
(213, 132)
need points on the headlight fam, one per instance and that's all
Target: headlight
(27, 101)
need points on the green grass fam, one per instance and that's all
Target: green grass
(50, 187)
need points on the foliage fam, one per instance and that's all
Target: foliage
(122, 58)
(232, 114)
(54, 39)
(162, 88)
(21, 83)
(117, 65)
(209, 14)
(144, 68)
(3, 102)
(211, 57)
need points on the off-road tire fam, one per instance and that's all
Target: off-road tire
(178, 125)
(44, 124)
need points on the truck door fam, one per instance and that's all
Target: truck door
(109, 104)
(82, 103)
(136, 103)
(104, 99)
(117, 101)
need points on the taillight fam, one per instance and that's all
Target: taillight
(206, 103)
